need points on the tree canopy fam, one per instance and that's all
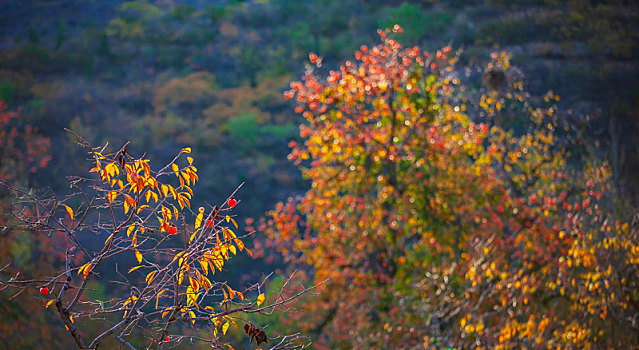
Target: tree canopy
(435, 229)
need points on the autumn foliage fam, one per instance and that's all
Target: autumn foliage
(23, 151)
(160, 257)
(439, 226)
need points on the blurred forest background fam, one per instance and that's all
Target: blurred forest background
(167, 74)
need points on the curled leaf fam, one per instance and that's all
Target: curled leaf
(135, 268)
(150, 276)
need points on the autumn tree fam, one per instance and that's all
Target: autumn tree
(438, 222)
(130, 228)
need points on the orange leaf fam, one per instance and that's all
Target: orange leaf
(234, 223)
(85, 269)
(69, 211)
(112, 195)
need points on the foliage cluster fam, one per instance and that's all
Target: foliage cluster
(143, 217)
(436, 230)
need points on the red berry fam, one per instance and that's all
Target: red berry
(232, 202)
(172, 230)
(44, 290)
(166, 339)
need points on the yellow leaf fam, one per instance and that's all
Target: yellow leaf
(69, 211)
(178, 255)
(138, 256)
(198, 219)
(232, 249)
(50, 302)
(230, 320)
(157, 298)
(205, 266)
(135, 268)
(192, 236)
(228, 218)
(192, 315)
(85, 269)
(231, 292)
(112, 195)
(150, 276)
(176, 169)
(260, 299)
(71, 318)
(165, 313)
(225, 328)
(240, 244)
(186, 150)
(226, 234)
(206, 283)
(129, 230)
(190, 159)
(165, 190)
(234, 223)
(173, 192)
(194, 285)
